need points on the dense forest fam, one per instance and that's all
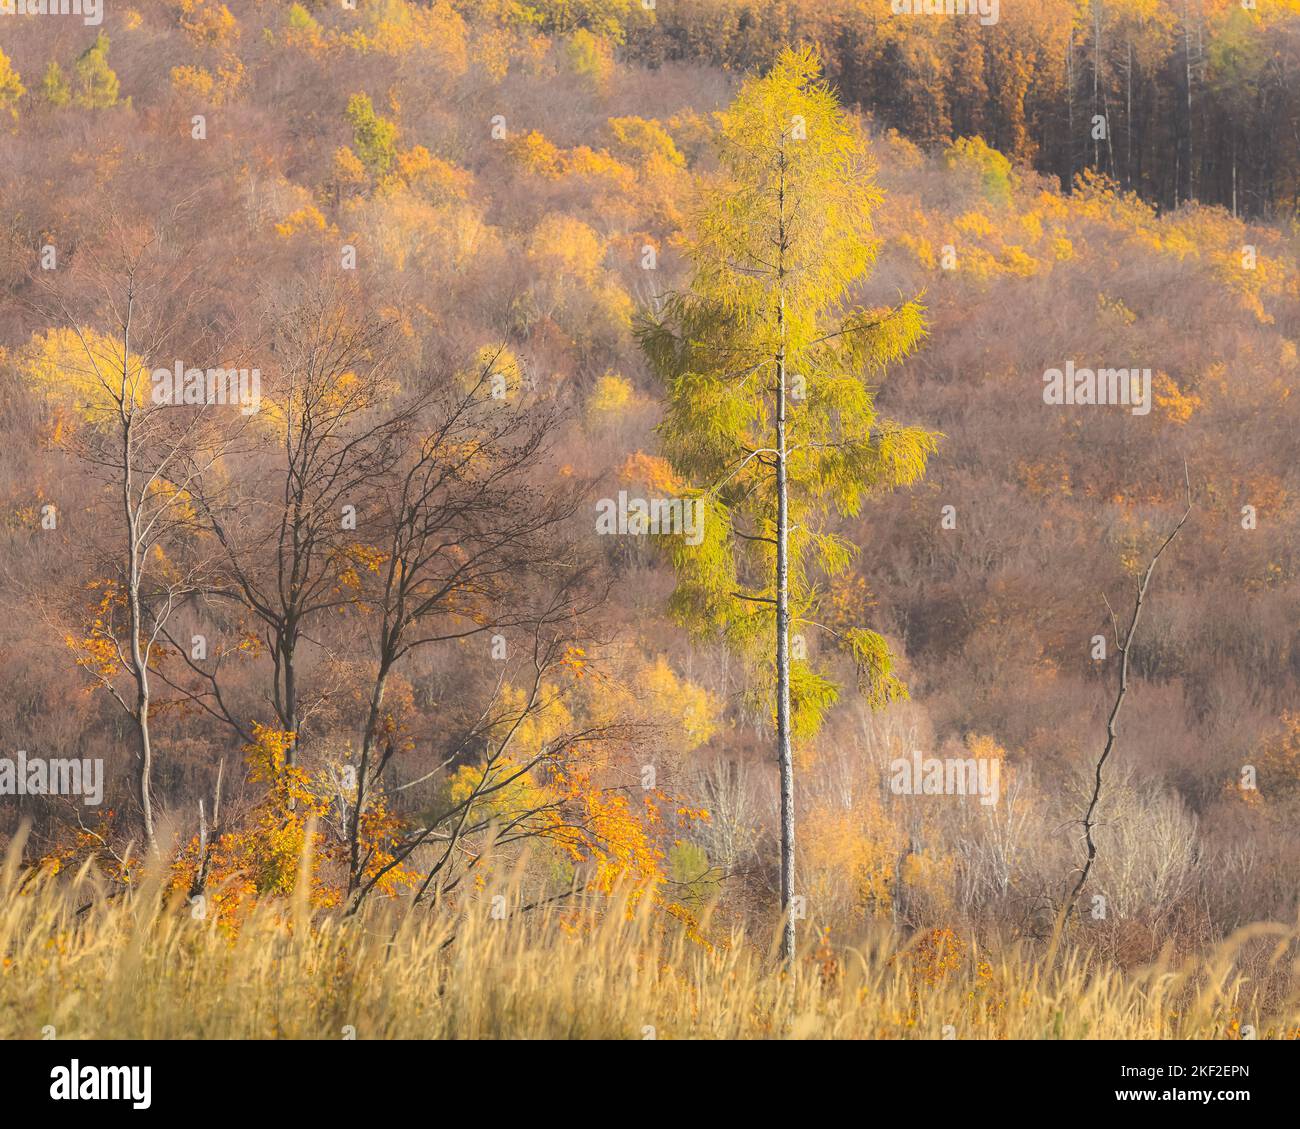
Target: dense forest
(1174, 99)
(366, 620)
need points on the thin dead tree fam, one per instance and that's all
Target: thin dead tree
(1124, 644)
(206, 840)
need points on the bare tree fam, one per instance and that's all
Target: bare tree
(150, 454)
(284, 513)
(467, 535)
(1124, 644)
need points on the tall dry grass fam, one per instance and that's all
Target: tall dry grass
(94, 964)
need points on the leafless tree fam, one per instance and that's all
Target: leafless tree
(1124, 644)
(149, 455)
(472, 546)
(285, 511)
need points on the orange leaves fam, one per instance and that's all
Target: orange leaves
(264, 856)
(355, 559)
(1277, 761)
(87, 845)
(96, 650)
(1176, 405)
(308, 218)
(936, 954)
(267, 753)
(535, 154)
(574, 662)
(208, 22)
(438, 181)
(268, 852)
(618, 842)
(613, 838)
(96, 654)
(202, 85)
(941, 956)
(652, 471)
(379, 832)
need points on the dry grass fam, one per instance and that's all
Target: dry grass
(139, 965)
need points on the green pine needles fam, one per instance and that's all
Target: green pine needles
(780, 241)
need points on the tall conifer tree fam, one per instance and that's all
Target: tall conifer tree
(769, 367)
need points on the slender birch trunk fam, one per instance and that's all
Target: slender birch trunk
(784, 753)
(135, 612)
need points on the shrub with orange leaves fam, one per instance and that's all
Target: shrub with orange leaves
(560, 800)
(263, 857)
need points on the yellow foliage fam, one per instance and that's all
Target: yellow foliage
(434, 179)
(490, 51)
(1015, 261)
(974, 223)
(11, 88)
(82, 371)
(535, 154)
(589, 57)
(599, 165)
(193, 81)
(265, 857)
(612, 395)
(209, 22)
(922, 248)
(1115, 307)
(696, 710)
(645, 138)
(407, 231)
(566, 245)
(302, 30)
(353, 559)
(201, 84)
(1176, 404)
(852, 851)
(397, 27)
(307, 218)
(495, 365)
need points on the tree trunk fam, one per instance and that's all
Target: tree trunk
(1128, 118)
(1069, 113)
(135, 617)
(367, 748)
(140, 665)
(784, 754)
(289, 710)
(1187, 60)
(1096, 82)
(785, 758)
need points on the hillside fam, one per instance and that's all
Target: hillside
(436, 232)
